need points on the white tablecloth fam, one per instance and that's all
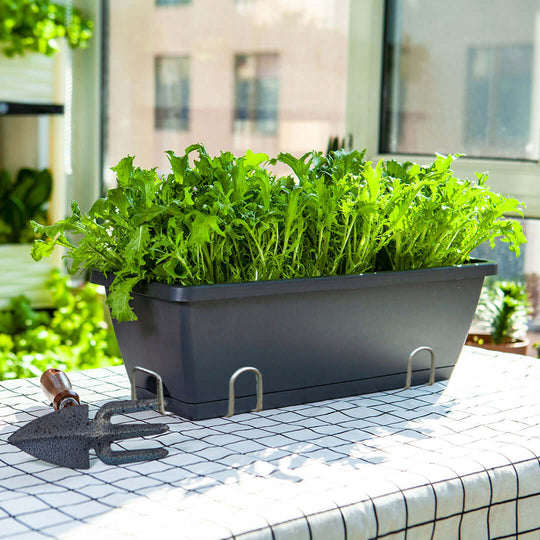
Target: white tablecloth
(452, 460)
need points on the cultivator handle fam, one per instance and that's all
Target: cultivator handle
(57, 387)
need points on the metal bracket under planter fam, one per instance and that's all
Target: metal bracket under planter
(259, 383)
(409, 366)
(159, 384)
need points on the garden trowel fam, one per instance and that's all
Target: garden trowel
(65, 436)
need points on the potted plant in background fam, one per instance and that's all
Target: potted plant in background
(37, 26)
(326, 279)
(335, 143)
(31, 35)
(21, 201)
(504, 310)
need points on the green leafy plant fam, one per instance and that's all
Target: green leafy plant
(228, 219)
(504, 308)
(73, 335)
(37, 25)
(23, 200)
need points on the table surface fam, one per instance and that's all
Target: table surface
(458, 459)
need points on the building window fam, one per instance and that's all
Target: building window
(172, 92)
(256, 93)
(172, 2)
(461, 80)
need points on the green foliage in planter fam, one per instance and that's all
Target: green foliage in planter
(73, 335)
(504, 308)
(229, 219)
(37, 25)
(23, 200)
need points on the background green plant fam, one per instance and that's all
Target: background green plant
(37, 26)
(504, 308)
(73, 335)
(228, 219)
(335, 143)
(23, 200)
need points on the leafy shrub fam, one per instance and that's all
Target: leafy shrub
(228, 219)
(73, 335)
(36, 26)
(23, 200)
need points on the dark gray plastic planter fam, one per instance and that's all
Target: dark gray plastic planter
(312, 339)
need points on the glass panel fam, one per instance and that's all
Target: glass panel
(265, 75)
(462, 80)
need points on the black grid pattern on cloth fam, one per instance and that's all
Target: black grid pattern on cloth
(452, 460)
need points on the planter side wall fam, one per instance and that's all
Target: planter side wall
(22, 275)
(309, 347)
(30, 78)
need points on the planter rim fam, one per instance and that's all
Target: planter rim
(17, 245)
(224, 291)
(517, 341)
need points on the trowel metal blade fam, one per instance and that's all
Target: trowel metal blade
(62, 437)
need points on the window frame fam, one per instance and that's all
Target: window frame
(518, 178)
(89, 109)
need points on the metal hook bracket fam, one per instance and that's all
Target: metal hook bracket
(409, 366)
(159, 385)
(259, 382)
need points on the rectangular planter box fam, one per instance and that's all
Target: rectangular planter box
(312, 339)
(32, 78)
(22, 275)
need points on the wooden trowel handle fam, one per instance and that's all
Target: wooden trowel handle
(57, 387)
